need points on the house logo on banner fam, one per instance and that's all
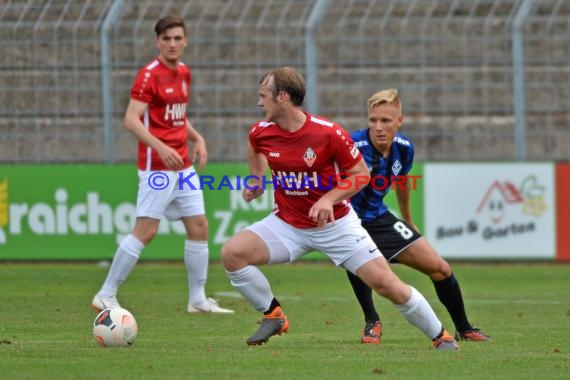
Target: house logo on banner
(504, 196)
(501, 211)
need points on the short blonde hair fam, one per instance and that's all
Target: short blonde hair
(389, 96)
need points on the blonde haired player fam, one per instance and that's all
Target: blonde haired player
(389, 155)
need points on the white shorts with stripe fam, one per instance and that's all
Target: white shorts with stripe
(160, 194)
(345, 242)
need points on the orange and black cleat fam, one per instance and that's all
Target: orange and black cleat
(474, 334)
(275, 323)
(372, 333)
(444, 341)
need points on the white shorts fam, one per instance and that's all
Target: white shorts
(159, 195)
(345, 242)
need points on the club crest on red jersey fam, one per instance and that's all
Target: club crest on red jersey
(309, 157)
(184, 88)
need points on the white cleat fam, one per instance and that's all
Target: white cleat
(210, 305)
(100, 303)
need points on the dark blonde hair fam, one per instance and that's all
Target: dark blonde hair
(289, 80)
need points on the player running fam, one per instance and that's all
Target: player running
(307, 217)
(389, 156)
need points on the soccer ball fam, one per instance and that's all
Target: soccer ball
(115, 328)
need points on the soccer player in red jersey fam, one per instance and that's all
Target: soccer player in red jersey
(156, 115)
(306, 153)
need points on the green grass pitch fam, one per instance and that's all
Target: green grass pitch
(46, 322)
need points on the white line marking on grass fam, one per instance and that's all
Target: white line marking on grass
(298, 298)
(237, 295)
(518, 301)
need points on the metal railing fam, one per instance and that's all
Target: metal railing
(479, 79)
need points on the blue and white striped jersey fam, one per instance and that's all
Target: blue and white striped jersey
(369, 202)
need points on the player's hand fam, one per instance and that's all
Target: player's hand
(322, 212)
(249, 195)
(171, 158)
(200, 152)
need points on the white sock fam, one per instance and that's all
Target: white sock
(124, 261)
(253, 286)
(196, 260)
(420, 314)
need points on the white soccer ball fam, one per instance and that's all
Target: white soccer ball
(115, 328)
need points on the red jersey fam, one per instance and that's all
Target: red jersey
(304, 165)
(166, 92)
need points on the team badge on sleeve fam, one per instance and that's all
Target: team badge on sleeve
(354, 151)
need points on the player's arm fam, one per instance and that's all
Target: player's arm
(257, 165)
(199, 149)
(133, 123)
(403, 197)
(356, 179)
